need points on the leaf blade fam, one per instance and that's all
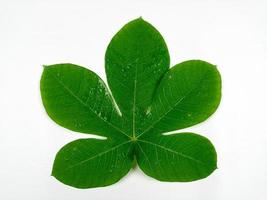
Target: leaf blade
(88, 163)
(181, 157)
(134, 53)
(77, 99)
(188, 94)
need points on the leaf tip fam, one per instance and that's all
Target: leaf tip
(46, 66)
(140, 19)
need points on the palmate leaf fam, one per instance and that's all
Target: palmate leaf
(151, 100)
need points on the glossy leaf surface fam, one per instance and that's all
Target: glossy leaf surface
(77, 99)
(188, 94)
(181, 157)
(136, 59)
(147, 99)
(88, 163)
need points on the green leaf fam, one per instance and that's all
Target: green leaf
(136, 59)
(181, 157)
(88, 163)
(187, 95)
(77, 99)
(147, 100)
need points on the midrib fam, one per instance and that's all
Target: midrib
(134, 106)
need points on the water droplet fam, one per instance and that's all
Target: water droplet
(148, 111)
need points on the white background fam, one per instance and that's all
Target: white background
(230, 33)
